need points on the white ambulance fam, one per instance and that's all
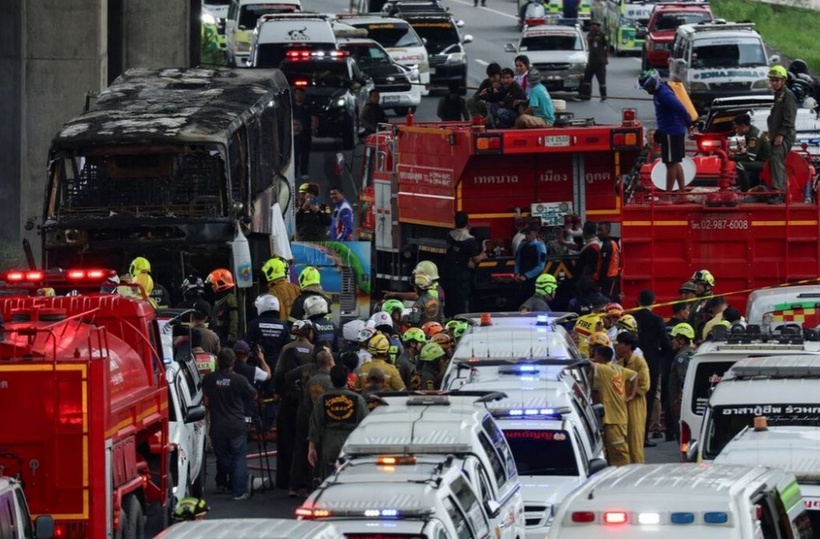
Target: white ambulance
(242, 18)
(277, 33)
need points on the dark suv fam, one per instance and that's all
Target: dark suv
(335, 88)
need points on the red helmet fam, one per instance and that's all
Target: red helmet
(220, 279)
(614, 309)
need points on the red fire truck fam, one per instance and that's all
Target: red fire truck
(416, 176)
(85, 405)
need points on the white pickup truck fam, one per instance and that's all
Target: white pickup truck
(15, 519)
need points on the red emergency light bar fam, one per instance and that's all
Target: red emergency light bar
(301, 83)
(15, 276)
(29, 277)
(311, 55)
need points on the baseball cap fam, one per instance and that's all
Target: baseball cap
(742, 119)
(242, 347)
(688, 286)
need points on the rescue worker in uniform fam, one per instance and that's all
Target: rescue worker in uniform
(193, 288)
(312, 219)
(190, 508)
(383, 323)
(225, 314)
(295, 354)
(268, 335)
(756, 151)
(301, 478)
(140, 272)
(379, 347)
(461, 256)
(616, 387)
(598, 60)
(683, 338)
(310, 282)
(428, 306)
(428, 268)
(545, 285)
(428, 368)
(375, 384)
(210, 340)
(625, 345)
(324, 330)
(336, 414)
(781, 124)
(275, 271)
(704, 284)
(414, 340)
(530, 259)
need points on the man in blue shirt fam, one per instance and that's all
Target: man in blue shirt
(341, 220)
(673, 122)
(540, 112)
(530, 259)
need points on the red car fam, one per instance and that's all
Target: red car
(661, 29)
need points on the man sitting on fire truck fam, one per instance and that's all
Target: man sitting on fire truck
(539, 112)
(754, 154)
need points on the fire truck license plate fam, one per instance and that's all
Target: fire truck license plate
(553, 141)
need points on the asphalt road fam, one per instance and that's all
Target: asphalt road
(491, 27)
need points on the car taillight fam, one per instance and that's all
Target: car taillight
(685, 437)
(583, 517)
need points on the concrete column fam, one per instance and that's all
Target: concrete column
(157, 34)
(10, 88)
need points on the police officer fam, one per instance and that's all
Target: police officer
(336, 414)
(781, 124)
(225, 313)
(312, 219)
(545, 285)
(318, 384)
(267, 332)
(598, 60)
(462, 254)
(755, 154)
(324, 330)
(379, 348)
(428, 367)
(310, 282)
(275, 271)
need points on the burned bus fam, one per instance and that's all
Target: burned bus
(168, 164)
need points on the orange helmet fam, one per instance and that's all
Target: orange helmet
(431, 328)
(220, 280)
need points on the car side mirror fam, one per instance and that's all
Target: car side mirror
(493, 508)
(509, 47)
(242, 27)
(459, 22)
(599, 411)
(195, 413)
(774, 59)
(596, 465)
(692, 451)
(467, 38)
(44, 527)
(424, 41)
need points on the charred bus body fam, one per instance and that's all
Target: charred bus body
(164, 164)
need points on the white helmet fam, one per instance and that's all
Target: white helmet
(315, 305)
(350, 331)
(265, 303)
(381, 318)
(366, 334)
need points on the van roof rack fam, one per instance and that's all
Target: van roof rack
(710, 26)
(797, 366)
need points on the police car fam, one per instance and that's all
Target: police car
(684, 501)
(335, 88)
(785, 390)
(448, 424)
(407, 496)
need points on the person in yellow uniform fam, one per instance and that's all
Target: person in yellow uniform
(585, 326)
(140, 272)
(275, 271)
(379, 348)
(625, 345)
(616, 386)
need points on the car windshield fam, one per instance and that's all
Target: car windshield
(707, 376)
(726, 53)
(391, 35)
(316, 73)
(727, 421)
(439, 35)
(555, 42)
(367, 55)
(529, 448)
(670, 21)
(249, 14)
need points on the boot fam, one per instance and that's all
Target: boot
(603, 93)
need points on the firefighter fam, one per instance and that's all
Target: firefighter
(756, 150)
(704, 283)
(294, 355)
(599, 338)
(310, 282)
(225, 313)
(545, 286)
(585, 326)
(683, 342)
(616, 387)
(193, 288)
(625, 345)
(190, 508)
(446, 342)
(325, 331)
(612, 313)
(375, 384)
(381, 321)
(275, 271)
(379, 347)
(428, 307)
(428, 368)
(414, 340)
(140, 272)
(336, 414)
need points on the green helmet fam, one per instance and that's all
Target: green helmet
(545, 284)
(684, 330)
(190, 508)
(309, 276)
(414, 334)
(274, 268)
(431, 352)
(778, 72)
(139, 265)
(428, 268)
(391, 305)
(461, 327)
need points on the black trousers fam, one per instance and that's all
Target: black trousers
(301, 154)
(599, 72)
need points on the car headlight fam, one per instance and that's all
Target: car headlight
(243, 46)
(207, 18)
(698, 87)
(456, 58)
(340, 102)
(413, 75)
(760, 84)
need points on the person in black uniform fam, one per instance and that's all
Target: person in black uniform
(305, 125)
(462, 254)
(312, 219)
(325, 331)
(193, 290)
(598, 59)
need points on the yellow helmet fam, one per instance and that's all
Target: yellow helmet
(274, 268)
(139, 265)
(685, 330)
(778, 72)
(428, 268)
(309, 276)
(627, 322)
(378, 345)
(599, 338)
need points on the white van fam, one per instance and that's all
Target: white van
(242, 18)
(711, 361)
(251, 528)
(15, 519)
(451, 424)
(277, 33)
(771, 308)
(684, 501)
(785, 390)
(399, 39)
(794, 449)
(425, 497)
(719, 59)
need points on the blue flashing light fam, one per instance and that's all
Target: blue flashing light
(385, 513)
(542, 320)
(531, 412)
(390, 513)
(683, 518)
(516, 412)
(527, 368)
(715, 518)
